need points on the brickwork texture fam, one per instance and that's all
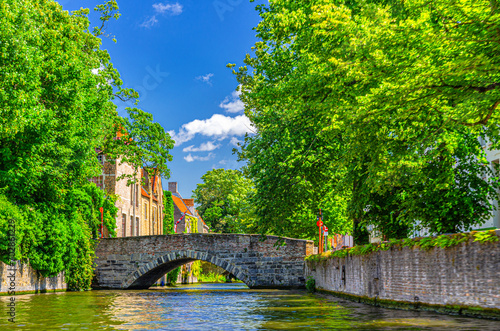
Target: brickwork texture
(465, 275)
(28, 280)
(138, 262)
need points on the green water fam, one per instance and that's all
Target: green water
(216, 307)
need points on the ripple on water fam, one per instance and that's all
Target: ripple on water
(218, 307)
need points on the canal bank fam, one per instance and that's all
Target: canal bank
(463, 279)
(20, 278)
(218, 307)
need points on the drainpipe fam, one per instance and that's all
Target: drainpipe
(102, 222)
(151, 219)
(132, 223)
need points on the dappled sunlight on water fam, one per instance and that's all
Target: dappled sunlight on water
(217, 307)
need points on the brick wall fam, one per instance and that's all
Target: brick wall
(464, 275)
(27, 280)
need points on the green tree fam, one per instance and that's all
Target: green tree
(375, 102)
(223, 201)
(57, 105)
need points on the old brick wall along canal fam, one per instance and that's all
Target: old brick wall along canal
(217, 307)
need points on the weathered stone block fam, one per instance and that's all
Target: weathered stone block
(466, 275)
(256, 262)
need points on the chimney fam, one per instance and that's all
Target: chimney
(172, 187)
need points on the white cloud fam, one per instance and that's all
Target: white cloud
(218, 127)
(149, 22)
(191, 158)
(172, 9)
(204, 147)
(235, 141)
(206, 78)
(226, 164)
(233, 104)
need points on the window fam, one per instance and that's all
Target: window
(101, 158)
(124, 225)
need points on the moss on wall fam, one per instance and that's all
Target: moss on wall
(469, 311)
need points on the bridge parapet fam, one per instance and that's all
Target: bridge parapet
(137, 262)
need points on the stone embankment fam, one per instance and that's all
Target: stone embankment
(23, 279)
(463, 279)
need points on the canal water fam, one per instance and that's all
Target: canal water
(217, 307)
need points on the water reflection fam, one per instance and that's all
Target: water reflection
(217, 307)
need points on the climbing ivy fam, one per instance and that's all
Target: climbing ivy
(59, 236)
(485, 236)
(442, 241)
(12, 229)
(168, 213)
(173, 275)
(311, 284)
(196, 269)
(192, 223)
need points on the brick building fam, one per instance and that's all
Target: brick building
(140, 205)
(151, 204)
(190, 220)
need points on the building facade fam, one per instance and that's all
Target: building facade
(493, 157)
(140, 205)
(186, 217)
(152, 204)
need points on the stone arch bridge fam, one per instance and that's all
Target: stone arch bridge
(138, 262)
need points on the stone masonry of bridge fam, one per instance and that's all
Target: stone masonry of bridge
(138, 262)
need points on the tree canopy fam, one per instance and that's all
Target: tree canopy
(58, 90)
(372, 109)
(223, 201)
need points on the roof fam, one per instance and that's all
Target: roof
(199, 216)
(180, 204)
(145, 194)
(156, 183)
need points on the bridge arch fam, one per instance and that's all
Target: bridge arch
(138, 262)
(146, 275)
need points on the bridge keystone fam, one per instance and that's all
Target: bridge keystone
(138, 262)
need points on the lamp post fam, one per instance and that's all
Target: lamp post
(102, 221)
(325, 235)
(319, 223)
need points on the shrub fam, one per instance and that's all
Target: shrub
(311, 284)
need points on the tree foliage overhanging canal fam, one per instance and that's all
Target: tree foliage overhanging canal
(370, 110)
(57, 93)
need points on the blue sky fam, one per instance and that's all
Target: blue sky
(174, 53)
